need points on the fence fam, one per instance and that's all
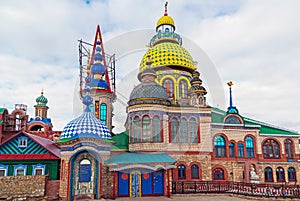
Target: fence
(248, 189)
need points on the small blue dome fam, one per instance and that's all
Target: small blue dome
(85, 126)
(99, 84)
(98, 49)
(98, 68)
(98, 57)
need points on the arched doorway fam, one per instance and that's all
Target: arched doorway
(84, 177)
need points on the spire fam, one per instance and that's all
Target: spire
(166, 9)
(99, 73)
(87, 99)
(231, 109)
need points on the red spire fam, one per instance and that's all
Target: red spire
(166, 9)
(98, 37)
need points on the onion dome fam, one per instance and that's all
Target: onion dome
(41, 100)
(165, 19)
(148, 92)
(86, 125)
(168, 54)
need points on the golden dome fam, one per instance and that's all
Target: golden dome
(168, 54)
(165, 20)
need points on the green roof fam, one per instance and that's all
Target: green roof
(133, 158)
(218, 115)
(121, 142)
(1, 121)
(2, 110)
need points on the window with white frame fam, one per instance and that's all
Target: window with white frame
(22, 141)
(3, 170)
(20, 170)
(38, 169)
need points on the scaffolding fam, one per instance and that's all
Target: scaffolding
(83, 49)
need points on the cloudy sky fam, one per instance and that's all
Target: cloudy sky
(256, 44)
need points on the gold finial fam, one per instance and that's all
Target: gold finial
(230, 83)
(88, 65)
(166, 8)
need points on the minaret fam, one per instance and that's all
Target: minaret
(101, 91)
(41, 107)
(231, 109)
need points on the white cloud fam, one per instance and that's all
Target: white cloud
(253, 43)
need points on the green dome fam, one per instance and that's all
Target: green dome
(168, 54)
(41, 100)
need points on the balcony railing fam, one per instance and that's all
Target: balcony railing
(248, 189)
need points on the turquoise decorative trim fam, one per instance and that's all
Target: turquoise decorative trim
(38, 166)
(22, 141)
(5, 168)
(13, 147)
(21, 168)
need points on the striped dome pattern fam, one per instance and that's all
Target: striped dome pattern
(85, 126)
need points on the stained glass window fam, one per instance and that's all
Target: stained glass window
(146, 128)
(181, 172)
(183, 130)
(174, 130)
(268, 174)
(249, 147)
(231, 150)
(103, 112)
(220, 149)
(193, 131)
(280, 174)
(292, 174)
(136, 129)
(183, 88)
(218, 174)
(156, 129)
(195, 171)
(168, 85)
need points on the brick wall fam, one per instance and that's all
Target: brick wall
(22, 186)
(52, 188)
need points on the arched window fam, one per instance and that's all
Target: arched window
(292, 174)
(183, 88)
(85, 171)
(103, 112)
(146, 128)
(271, 149)
(174, 130)
(218, 174)
(195, 171)
(183, 138)
(131, 140)
(136, 129)
(240, 150)
(193, 131)
(288, 146)
(231, 150)
(268, 174)
(156, 133)
(169, 86)
(220, 146)
(280, 174)
(181, 171)
(249, 147)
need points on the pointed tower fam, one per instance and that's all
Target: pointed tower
(197, 92)
(231, 109)
(101, 91)
(41, 107)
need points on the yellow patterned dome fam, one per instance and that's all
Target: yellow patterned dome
(168, 54)
(165, 20)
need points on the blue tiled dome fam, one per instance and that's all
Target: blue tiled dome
(85, 126)
(148, 93)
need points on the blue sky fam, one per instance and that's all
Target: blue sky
(253, 43)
